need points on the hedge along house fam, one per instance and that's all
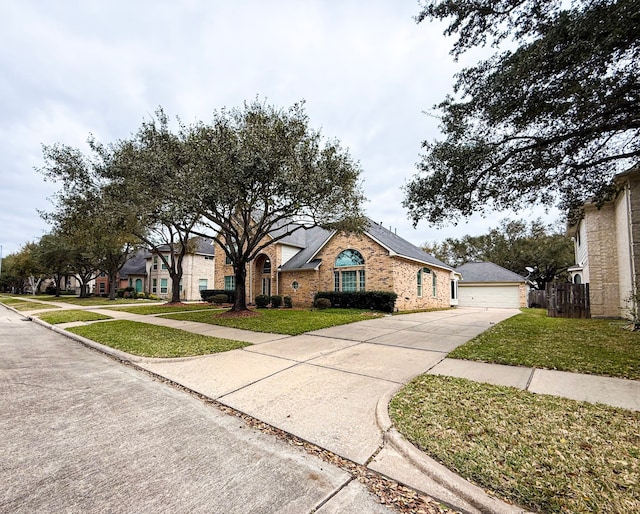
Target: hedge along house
(198, 271)
(312, 260)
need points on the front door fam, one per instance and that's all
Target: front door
(266, 286)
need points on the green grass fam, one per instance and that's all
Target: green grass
(89, 302)
(282, 321)
(594, 346)
(542, 452)
(25, 305)
(68, 316)
(154, 341)
(165, 309)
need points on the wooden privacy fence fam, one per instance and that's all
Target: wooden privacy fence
(565, 300)
(537, 299)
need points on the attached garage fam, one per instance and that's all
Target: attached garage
(485, 284)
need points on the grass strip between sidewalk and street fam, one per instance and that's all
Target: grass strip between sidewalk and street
(152, 340)
(26, 305)
(542, 452)
(90, 301)
(593, 346)
(282, 321)
(146, 310)
(71, 315)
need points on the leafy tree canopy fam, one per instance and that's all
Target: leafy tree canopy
(515, 245)
(257, 169)
(552, 117)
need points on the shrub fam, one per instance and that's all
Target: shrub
(207, 294)
(322, 303)
(120, 293)
(288, 302)
(276, 301)
(262, 300)
(50, 290)
(219, 298)
(154, 297)
(384, 301)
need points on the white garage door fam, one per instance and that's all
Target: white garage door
(489, 296)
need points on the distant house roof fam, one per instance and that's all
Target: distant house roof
(204, 246)
(136, 265)
(487, 272)
(315, 238)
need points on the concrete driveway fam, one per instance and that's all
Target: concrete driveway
(324, 386)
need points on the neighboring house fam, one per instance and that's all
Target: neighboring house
(314, 259)
(485, 284)
(607, 241)
(134, 272)
(198, 270)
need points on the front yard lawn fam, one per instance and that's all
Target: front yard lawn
(68, 316)
(542, 452)
(282, 321)
(153, 341)
(594, 346)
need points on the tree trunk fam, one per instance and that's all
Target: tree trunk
(240, 303)
(175, 287)
(113, 284)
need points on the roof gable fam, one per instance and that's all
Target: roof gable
(316, 238)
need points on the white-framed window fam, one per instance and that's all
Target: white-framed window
(102, 287)
(164, 286)
(163, 266)
(208, 257)
(422, 276)
(155, 262)
(353, 278)
(203, 283)
(295, 285)
(230, 283)
(154, 285)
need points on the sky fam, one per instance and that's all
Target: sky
(369, 76)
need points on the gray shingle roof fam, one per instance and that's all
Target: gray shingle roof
(204, 246)
(487, 272)
(136, 265)
(402, 247)
(315, 238)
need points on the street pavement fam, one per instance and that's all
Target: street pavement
(80, 433)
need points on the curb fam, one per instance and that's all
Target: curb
(458, 486)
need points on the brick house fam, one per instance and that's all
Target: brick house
(198, 271)
(606, 242)
(314, 259)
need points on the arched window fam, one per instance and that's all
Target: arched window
(422, 277)
(352, 279)
(349, 258)
(266, 267)
(577, 279)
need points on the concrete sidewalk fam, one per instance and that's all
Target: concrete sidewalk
(332, 387)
